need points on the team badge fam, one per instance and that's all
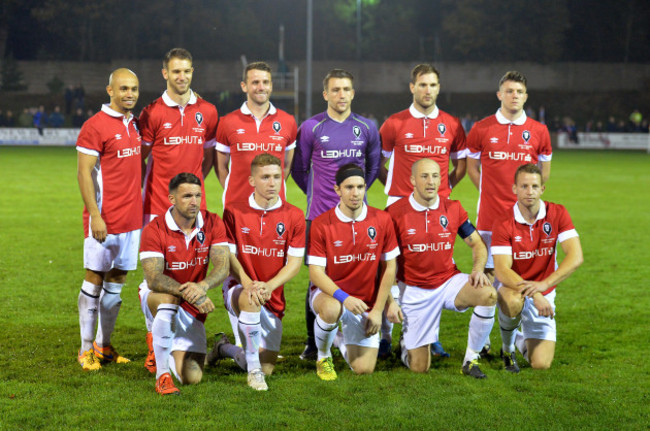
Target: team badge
(200, 237)
(280, 229)
(442, 129)
(547, 228)
(277, 126)
(444, 222)
(372, 233)
(199, 118)
(526, 135)
(357, 131)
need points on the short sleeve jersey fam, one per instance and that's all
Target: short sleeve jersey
(177, 136)
(115, 141)
(262, 239)
(502, 146)
(350, 250)
(187, 257)
(409, 136)
(323, 146)
(243, 137)
(533, 246)
(426, 237)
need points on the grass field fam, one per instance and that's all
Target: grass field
(599, 380)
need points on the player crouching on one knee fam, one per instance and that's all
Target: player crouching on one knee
(524, 245)
(426, 225)
(346, 246)
(267, 243)
(175, 251)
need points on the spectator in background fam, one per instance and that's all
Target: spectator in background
(644, 125)
(635, 121)
(569, 127)
(467, 122)
(542, 115)
(40, 119)
(2, 119)
(78, 118)
(56, 118)
(611, 125)
(79, 96)
(25, 119)
(69, 99)
(9, 120)
(89, 113)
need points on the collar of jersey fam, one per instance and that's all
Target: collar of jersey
(244, 110)
(417, 114)
(171, 223)
(106, 109)
(519, 218)
(255, 206)
(417, 207)
(503, 120)
(346, 219)
(169, 102)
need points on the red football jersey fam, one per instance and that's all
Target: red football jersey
(502, 146)
(350, 250)
(262, 239)
(186, 257)
(115, 141)
(426, 239)
(409, 136)
(242, 136)
(533, 247)
(177, 136)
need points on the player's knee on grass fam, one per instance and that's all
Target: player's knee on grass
(268, 359)
(191, 370)
(419, 359)
(362, 360)
(510, 302)
(540, 353)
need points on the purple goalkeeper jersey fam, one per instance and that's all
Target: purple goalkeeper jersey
(323, 145)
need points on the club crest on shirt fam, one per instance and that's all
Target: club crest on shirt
(200, 237)
(277, 126)
(525, 135)
(547, 228)
(280, 229)
(199, 118)
(372, 233)
(356, 130)
(442, 128)
(444, 222)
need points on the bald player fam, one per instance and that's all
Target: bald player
(108, 172)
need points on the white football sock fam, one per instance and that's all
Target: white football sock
(148, 318)
(250, 331)
(163, 336)
(324, 334)
(88, 303)
(109, 306)
(520, 342)
(478, 335)
(234, 324)
(508, 326)
(405, 353)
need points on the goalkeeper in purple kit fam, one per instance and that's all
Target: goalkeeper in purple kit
(326, 142)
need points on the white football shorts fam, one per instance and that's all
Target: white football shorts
(118, 251)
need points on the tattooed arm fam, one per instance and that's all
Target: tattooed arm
(158, 282)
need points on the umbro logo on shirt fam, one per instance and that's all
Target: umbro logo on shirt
(494, 140)
(338, 243)
(408, 135)
(411, 232)
(240, 131)
(517, 238)
(245, 230)
(118, 136)
(324, 138)
(171, 249)
(167, 126)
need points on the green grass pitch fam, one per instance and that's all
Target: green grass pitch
(599, 379)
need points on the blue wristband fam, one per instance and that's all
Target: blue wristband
(340, 295)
